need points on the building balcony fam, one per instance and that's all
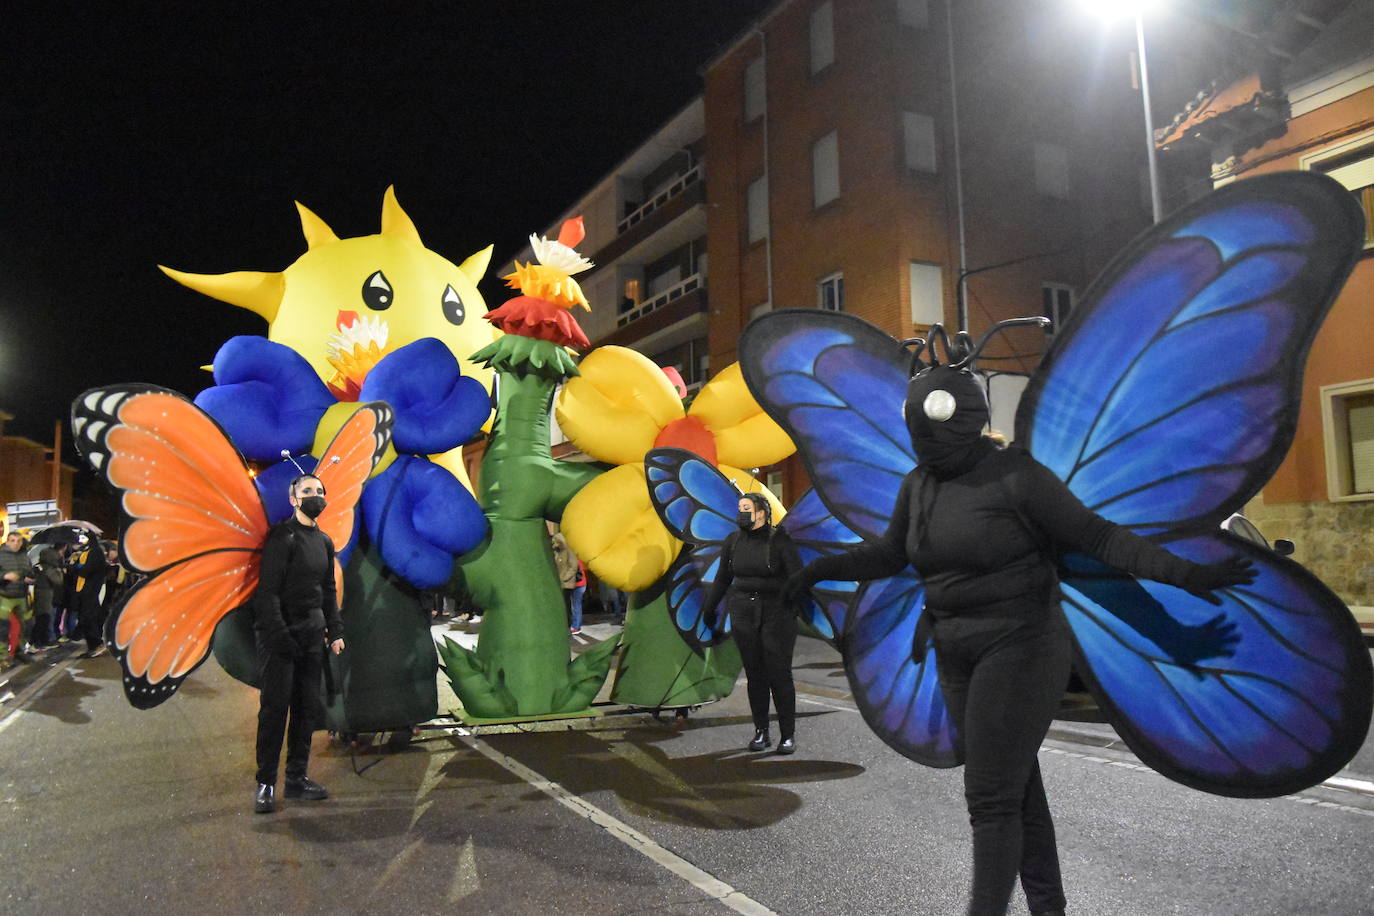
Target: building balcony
(681, 197)
(672, 294)
(681, 302)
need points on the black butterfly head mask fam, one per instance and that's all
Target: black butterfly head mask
(946, 405)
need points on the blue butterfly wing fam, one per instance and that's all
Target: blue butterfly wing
(836, 384)
(698, 505)
(1164, 404)
(688, 582)
(696, 502)
(816, 532)
(1172, 394)
(893, 673)
(1286, 710)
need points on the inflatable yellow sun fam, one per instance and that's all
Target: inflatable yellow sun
(346, 303)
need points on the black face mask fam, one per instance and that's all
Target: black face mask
(946, 410)
(745, 520)
(312, 506)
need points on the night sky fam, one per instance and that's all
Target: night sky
(138, 134)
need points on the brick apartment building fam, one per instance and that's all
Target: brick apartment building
(1305, 100)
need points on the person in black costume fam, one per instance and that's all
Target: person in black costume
(981, 525)
(91, 567)
(296, 610)
(755, 563)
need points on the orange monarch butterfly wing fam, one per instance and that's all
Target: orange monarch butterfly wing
(344, 468)
(194, 522)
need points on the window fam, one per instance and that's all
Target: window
(927, 293)
(774, 481)
(1348, 433)
(1352, 164)
(822, 37)
(918, 141)
(914, 13)
(758, 209)
(1056, 303)
(1051, 169)
(825, 169)
(754, 96)
(830, 293)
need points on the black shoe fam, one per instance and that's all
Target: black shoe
(265, 802)
(787, 745)
(761, 740)
(306, 789)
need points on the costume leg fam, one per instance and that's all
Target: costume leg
(1040, 877)
(747, 630)
(1012, 697)
(305, 710)
(274, 682)
(779, 640)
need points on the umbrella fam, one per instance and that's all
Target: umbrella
(78, 523)
(57, 535)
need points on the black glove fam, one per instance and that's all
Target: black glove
(1205, 578)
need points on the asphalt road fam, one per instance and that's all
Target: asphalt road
(113, 810)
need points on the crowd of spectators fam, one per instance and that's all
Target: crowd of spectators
(55, 593)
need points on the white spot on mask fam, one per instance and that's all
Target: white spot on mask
(939, 405)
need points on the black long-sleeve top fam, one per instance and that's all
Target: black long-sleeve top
(985, 539)
(754, 560)
(296, 592)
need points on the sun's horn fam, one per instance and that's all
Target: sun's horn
(316, 231)
(394, 219)
(250, 289)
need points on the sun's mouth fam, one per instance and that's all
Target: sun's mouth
(357, 346)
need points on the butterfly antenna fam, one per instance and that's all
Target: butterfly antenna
(287, 456)
(916, 363)
(967, 361)
(938, 333)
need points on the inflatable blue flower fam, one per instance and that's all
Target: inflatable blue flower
(269, 399)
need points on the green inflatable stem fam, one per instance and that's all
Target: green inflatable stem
(521, 665)
(658, 669)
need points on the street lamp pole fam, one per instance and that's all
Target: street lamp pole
(1156, 198)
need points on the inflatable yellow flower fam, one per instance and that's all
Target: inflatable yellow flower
(620, 406)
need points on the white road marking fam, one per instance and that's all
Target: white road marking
(701, 880)
(1139, 768)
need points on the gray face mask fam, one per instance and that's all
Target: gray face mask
(312, 506)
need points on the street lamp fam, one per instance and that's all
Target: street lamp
(1111, 9)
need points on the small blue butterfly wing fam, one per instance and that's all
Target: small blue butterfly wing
(693, 499)
(1164, 404)
(698, 506)
(689, 580)
(893, 674)
(836, 383)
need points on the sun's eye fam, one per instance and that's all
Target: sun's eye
(377, 292)
(453, 306)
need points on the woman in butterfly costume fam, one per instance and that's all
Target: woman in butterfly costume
(755, 563)
(980, 524)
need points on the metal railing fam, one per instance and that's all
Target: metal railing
(680, 184)
(671, 294)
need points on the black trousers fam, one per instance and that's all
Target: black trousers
(290, 688)
(91, 620)
(766, 634)
(1003, 680)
